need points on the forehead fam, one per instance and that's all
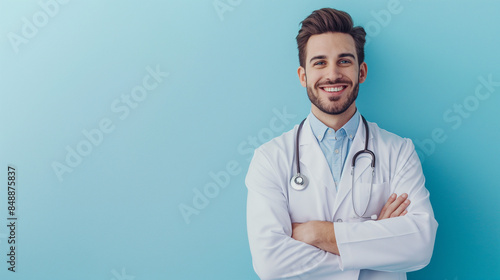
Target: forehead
(330, 45)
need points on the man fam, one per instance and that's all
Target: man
(340, 224)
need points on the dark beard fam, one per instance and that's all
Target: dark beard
(335, 110)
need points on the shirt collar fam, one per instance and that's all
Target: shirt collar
(320, 129)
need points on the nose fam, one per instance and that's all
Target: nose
(334, 72)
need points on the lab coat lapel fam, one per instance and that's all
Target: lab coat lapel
(361, 165)
(313, 160)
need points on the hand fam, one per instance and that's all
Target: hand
(316, 233)
(395, 207)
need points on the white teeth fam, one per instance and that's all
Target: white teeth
(333, 89)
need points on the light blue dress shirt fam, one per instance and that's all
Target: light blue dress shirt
(335, 144)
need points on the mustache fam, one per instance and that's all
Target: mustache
(330, 82)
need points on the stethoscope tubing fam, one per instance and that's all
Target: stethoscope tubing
(299, 181)
(367, 133)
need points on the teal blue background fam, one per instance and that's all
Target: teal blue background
(117, 213)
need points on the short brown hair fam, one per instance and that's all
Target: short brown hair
(330, 20)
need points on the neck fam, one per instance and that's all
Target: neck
(334, 121)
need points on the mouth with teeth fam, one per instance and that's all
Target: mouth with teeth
(334, 90)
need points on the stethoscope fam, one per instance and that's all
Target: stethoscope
(299, 182)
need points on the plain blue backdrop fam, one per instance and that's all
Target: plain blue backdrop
(183, 91)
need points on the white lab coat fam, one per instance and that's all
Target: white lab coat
(385, 249)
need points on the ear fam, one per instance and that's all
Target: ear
(302, 76)
(363, 71)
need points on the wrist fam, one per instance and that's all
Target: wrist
(325, 238)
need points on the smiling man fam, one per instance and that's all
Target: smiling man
(337, 197)
(332, 90)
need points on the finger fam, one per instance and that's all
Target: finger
(404, 213)
(400, 209)
(389, 202)
(393, 206)
(400, 200)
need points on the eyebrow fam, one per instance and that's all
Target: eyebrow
(317, 57)
(347, 55)
(340, 55)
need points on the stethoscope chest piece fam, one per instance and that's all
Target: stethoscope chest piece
(299, 182)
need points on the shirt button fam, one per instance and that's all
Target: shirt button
(336, 151)
(329, 131)
(339, 220)
(350, 136)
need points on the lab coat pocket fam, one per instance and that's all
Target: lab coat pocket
(369, 202)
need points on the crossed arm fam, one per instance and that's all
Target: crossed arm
(321, 234)
(283, 249)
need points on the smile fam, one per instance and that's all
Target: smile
(334, 89)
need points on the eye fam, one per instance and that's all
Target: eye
(344, 61)
(320, 62)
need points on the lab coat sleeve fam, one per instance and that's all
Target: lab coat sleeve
(398, 244)
(274, 253)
